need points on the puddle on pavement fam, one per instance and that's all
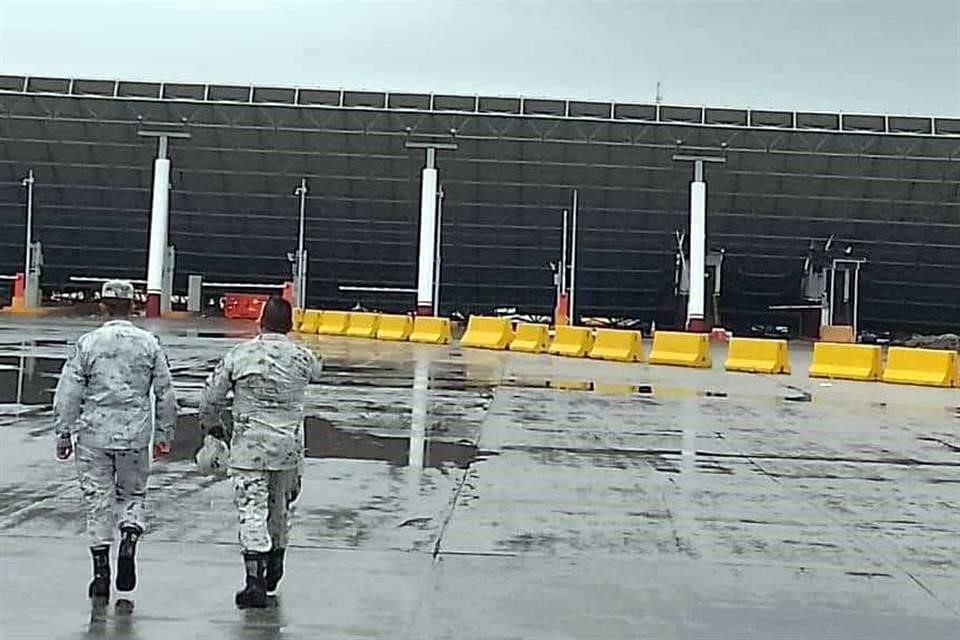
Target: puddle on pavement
(606, 388)
(325, 440)
(28, 380)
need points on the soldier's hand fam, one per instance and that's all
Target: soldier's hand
(217, 431)
(161, 450)
(64, 448)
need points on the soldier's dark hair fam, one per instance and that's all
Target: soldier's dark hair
(277, 316)
(117, 308)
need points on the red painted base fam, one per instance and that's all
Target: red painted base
(425, 309)
(153, 305)
(696, 325)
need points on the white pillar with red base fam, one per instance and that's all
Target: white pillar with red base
(159, 217)
(428, 233)
(698, 242)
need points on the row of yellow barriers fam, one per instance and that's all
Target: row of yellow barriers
(381, 326)
(927, 367)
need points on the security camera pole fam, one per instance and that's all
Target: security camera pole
(428, 224)
(698, 239)
(29, 281)
(300, 286)
(159, 216)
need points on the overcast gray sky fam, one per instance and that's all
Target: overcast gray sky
(870, 56)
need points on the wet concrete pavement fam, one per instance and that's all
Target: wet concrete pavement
(458, 493)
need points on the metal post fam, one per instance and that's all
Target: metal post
(833, 290)
(301, 284)
(563, 257)
(428, 233)
(856, 300)
(159, 220)
(698, 247)
(698, 240)
(159, 216)
(427, 274)
(27, 279)
(436, 271)
(573, 262)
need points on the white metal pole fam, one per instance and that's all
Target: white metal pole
(428, 230)
(301, 275)
(856, 302)
(573, 262)
(28, 182)
(436, 272)
(833, 293)
(159, 217)
(698, 241)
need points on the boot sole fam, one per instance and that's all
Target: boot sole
(243, 604)
(126, 569)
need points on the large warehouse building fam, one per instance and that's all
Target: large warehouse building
(886, 186)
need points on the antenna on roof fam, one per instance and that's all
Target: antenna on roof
(659, 97)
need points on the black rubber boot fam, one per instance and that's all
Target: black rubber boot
(255, 593)
(100, 585)
(274, 569)
(126, 559)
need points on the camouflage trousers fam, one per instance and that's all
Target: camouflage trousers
(113, 483)
(265, 505)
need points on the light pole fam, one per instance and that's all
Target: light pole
(28, 293)
(159, 216)
(436, 272)
(301, 283)
(426, 265)
(573, 261)
(698, 240)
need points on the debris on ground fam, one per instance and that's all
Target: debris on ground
(946, 341)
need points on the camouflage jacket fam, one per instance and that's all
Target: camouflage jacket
(103, 395)
(268, 377)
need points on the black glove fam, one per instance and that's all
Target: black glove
(218, 432)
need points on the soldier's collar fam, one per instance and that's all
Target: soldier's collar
(118, 321)
(272, 336)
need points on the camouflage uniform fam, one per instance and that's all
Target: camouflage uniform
(268, 376)
(103, 399)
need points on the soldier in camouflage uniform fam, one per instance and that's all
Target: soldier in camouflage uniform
(103, 408)
(268, 377)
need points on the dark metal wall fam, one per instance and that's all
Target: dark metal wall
(233, 216)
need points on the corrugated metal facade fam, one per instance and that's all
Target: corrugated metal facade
(889, 186)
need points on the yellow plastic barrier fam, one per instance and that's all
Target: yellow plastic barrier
(297, 318)
(927, 367)
(757, 355)
(487, 333)
(618, 345)
(431, 330)
(845, 361)
(681, 349)
(573, 342)
(531, 338)
(363, 325)
(395, 327)
(333, 323)
(310, 321)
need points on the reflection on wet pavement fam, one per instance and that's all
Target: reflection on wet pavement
(324, 440)
(28, 380)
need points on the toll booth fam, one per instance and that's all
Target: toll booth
(830, 286)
